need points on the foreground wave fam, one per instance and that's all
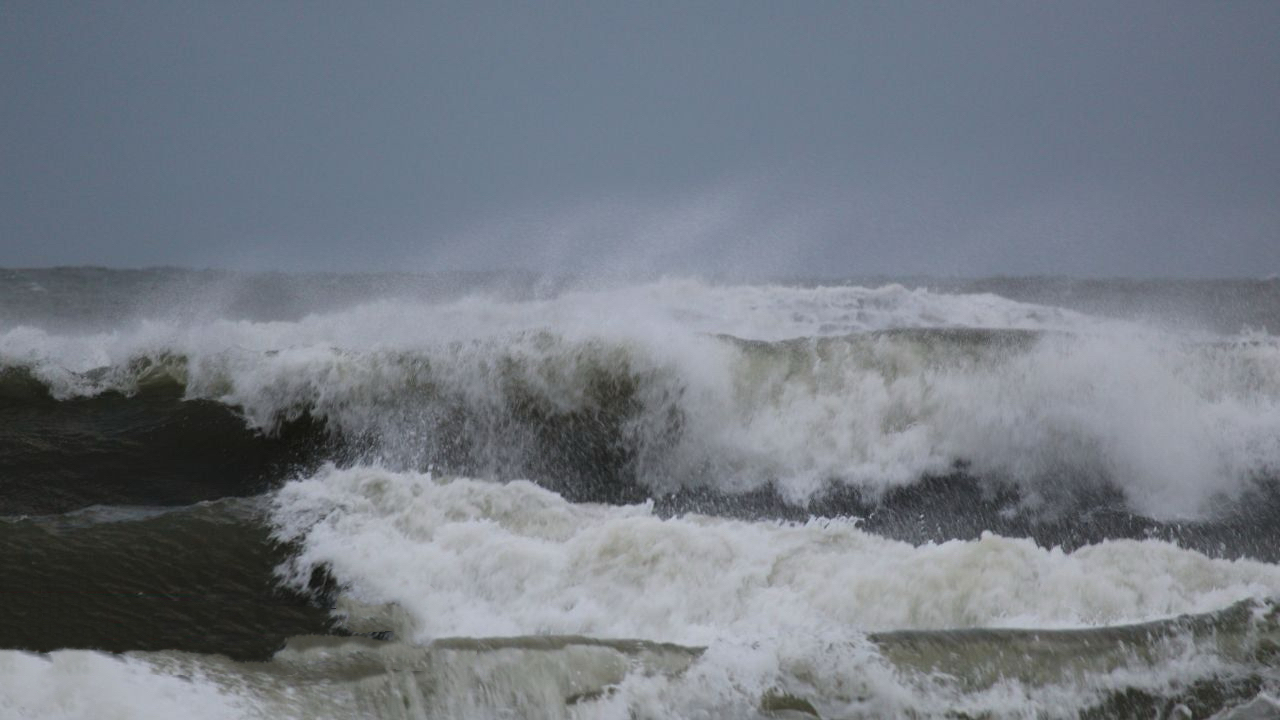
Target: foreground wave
(1189, 666)
(470, 557)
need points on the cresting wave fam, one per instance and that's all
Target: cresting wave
(814, 619)
(756, 620)
(477, 558)
(671, 499)
(729, 390)
(1216, 659)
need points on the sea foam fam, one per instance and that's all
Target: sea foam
(477, 558)
(683, 385)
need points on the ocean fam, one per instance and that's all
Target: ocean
(487, 495)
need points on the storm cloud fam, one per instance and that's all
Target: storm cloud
(1082, 138)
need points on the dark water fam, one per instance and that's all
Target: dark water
(150, 448)
(197, 578)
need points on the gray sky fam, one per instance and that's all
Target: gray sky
(1084, 138)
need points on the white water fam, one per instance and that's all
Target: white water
(476, 558)
(1176, 423)
(731, 680)
(781, 608)
(87, 685)
(672, 310)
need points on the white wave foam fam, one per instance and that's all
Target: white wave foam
(467, 557)
(653, 313)
(577, 680)
(781, 608)
(1174, 427)
(87, 685)
(1173, 424)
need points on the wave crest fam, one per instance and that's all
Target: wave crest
(677, 386)
(1175, 427)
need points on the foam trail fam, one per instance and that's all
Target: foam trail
(923, 674)
(87, 685)
(474, 558)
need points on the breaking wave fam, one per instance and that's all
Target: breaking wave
(604, 408)
(672, 499)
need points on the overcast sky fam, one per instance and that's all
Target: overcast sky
(969, 138)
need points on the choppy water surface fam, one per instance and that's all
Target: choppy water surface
(1004, 498)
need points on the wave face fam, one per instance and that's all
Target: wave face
(477, 558)
(198, 578)
(150, 445)
(602, 396)
(575, 677)
(776, 479)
